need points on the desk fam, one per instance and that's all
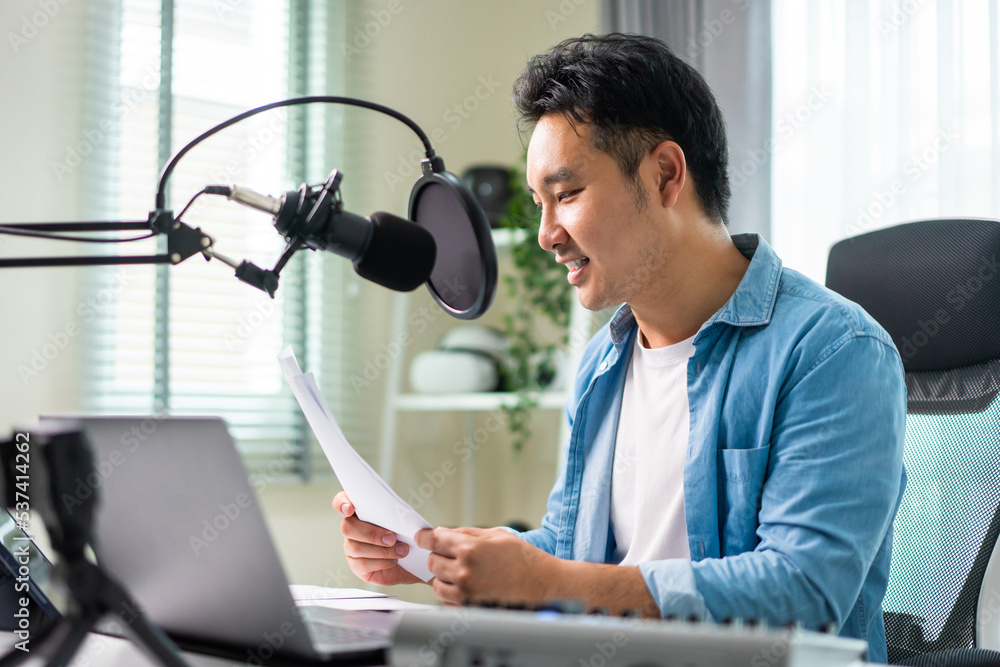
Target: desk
(104, 651)
(483, 639)
(114, 652)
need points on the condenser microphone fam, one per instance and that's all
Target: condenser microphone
(400, 255)
(384, 248)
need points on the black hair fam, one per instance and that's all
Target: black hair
(634, 93)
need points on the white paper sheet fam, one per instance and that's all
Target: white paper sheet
(374, 501)
(308, 592)
(369, 604)
(350, 599)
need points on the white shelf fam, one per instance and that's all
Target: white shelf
(550, 400)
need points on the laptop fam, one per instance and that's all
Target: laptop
(179, 526)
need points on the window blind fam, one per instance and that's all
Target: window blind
(195, 340)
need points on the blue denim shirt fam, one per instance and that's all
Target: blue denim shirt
(794, 467)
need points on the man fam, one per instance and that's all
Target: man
(737, 429)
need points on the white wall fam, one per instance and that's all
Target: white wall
(39, 362)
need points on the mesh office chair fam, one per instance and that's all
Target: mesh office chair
(935, 287)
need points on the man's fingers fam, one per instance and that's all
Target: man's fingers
(342, 504)
(443, 567)
(424, 538)
(355, 549)
(363, 566)
(354, 528)
(444, 541)
(448, 592)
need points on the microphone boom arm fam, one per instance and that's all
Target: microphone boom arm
(183, 241)
(325, 225)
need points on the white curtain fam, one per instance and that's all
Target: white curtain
(884, 112)
(729, 42)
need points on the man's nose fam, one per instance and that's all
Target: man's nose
(551, 234)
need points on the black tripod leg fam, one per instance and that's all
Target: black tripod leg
(153, 641)
(76, 632)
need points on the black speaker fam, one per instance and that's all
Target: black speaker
(491, 187)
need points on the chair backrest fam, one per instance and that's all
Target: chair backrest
(934, 285)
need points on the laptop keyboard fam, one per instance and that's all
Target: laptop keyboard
(329, 633)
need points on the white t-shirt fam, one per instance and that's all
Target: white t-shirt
(647, 478)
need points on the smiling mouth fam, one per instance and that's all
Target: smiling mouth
(578, 264)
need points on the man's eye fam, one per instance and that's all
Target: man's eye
(562, 195)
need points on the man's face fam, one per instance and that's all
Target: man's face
(589, 215)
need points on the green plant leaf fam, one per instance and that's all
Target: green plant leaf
(538, 289)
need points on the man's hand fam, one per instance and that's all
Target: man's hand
(476, 564)
(484, 565)
(372, 551)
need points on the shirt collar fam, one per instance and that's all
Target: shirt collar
(750, 305)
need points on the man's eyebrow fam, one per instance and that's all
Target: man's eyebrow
(560, 175)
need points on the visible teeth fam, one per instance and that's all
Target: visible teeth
(574, 265)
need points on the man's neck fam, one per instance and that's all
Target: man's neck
(696, 286)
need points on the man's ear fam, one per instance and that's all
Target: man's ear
(670, 169)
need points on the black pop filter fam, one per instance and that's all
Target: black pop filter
(464, 279)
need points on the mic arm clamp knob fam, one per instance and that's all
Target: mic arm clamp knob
(183, 241)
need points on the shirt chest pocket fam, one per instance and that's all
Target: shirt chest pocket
(741, 482)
